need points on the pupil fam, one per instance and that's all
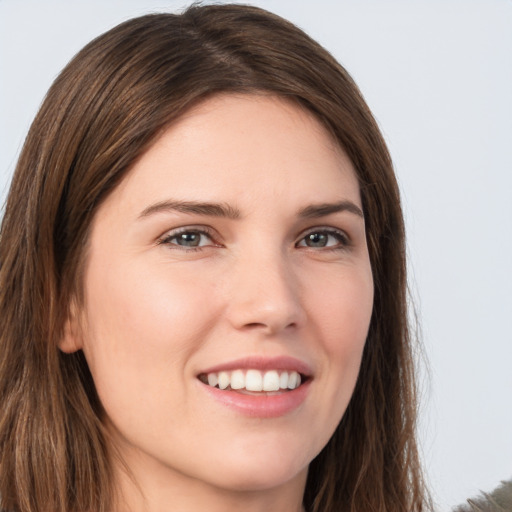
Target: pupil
(316, 240)
(189, 239)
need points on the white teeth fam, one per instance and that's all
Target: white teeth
(283, 381)
(237, 379)
(213, 379)
(224, 380)
(255, 380)
(292, 380)
(271, 381)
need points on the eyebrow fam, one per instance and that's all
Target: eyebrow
(225, 210)
(323, 209)
(198, 208)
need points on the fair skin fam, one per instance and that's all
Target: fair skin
(217, 254)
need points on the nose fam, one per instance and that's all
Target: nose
(264, 295)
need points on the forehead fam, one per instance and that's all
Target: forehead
(242, 148)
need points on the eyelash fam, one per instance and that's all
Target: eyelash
(168, 237)
(341, 237)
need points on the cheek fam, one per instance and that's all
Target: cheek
(341, 315)
(141, 327)
(341, 309)
(140, 308)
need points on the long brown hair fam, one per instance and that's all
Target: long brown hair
(104, 110)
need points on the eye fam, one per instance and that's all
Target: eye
(324, 239)
(188, 239)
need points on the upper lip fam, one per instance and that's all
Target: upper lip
(284, 363)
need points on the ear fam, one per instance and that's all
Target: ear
(71, 338)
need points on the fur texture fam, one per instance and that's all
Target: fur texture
(500, 500)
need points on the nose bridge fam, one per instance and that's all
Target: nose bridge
(264, 292)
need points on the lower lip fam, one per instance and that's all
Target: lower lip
(261, 406)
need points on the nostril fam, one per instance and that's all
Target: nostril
(270, 326)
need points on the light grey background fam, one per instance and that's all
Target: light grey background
(438, 76)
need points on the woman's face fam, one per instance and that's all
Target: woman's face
(234, 251)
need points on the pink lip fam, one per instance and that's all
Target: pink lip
(260, 406)
(263, 363)
(264, 405)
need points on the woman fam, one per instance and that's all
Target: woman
(203, 282)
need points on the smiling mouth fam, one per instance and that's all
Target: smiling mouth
(254, 381)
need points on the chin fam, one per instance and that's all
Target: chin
(266, 470)
(262, 478)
